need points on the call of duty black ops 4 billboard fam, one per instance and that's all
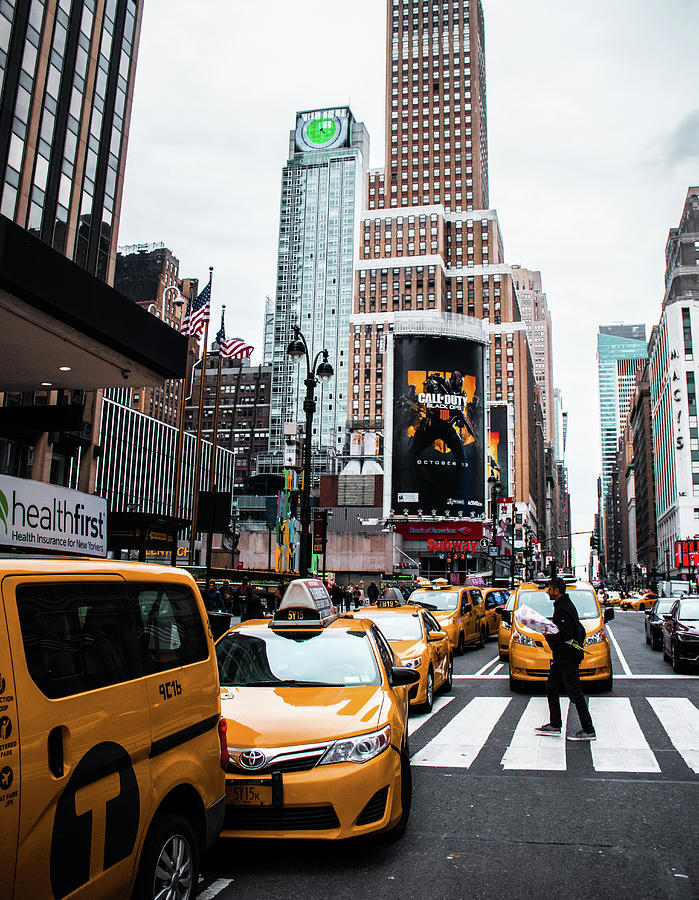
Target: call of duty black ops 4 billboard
(438, 426)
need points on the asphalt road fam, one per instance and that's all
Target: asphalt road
(494, 818)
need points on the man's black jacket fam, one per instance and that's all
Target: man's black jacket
(566, 617)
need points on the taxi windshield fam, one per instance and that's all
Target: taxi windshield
(689, 611)
(584, 601)
(269, 659)
(397, 627)
(437, 600)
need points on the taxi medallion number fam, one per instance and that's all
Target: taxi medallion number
(252, 792)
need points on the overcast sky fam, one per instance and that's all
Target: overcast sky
(593, 131)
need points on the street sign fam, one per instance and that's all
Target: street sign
(484, 542)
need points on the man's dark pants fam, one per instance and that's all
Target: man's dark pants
(565, 677)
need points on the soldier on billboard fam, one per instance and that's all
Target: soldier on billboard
(441, 424)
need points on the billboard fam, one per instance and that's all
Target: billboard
(438, 426)
(498, 443)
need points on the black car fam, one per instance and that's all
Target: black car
(681, 634)
(654, 622)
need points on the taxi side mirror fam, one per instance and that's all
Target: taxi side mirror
(608, 614)
(433, 636)
(402, 676)
(466, 607)
(506, 615)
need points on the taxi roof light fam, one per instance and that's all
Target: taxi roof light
(306, 602)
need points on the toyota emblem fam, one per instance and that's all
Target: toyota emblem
(252, 759)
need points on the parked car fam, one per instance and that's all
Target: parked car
(654, 622)
(681, 634)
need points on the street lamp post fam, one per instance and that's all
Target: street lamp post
(323, 371)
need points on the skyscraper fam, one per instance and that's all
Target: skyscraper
(429, 245)
(321, 196)
(67, 69)
(621, 353)
(535, 313)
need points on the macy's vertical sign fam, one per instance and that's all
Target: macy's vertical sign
(42, 516)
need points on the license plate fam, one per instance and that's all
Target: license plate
(249, 793)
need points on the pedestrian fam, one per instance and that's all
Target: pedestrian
(278, 594)
(253, 604)
(242, 597)
(565, 668)
(227, 596)
(213, 601)
(337, 597)
(372, 592)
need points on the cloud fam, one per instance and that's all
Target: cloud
(683, 142)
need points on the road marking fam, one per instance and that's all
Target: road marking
(415, 722)
(497, 669)
(215, 889)
(487, 666)
(622, 659)
(462, 739)
(616, 678)
(680, 719)
(532, 751)
(620, 744)
(479, 677)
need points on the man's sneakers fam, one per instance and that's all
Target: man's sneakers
(548, 729)
(582, 735)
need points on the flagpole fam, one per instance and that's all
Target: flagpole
(214, 443)
(197, 460)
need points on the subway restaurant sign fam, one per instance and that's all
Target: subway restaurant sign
(39, 516)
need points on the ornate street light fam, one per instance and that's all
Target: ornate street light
(323, 371)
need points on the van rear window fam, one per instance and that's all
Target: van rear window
(170, 628)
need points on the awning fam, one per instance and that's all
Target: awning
(55, 314)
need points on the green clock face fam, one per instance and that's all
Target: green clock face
(321, 131)
(325, 131)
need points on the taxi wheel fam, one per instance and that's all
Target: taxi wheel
(642, 606)
(483, 637)
(406, 797)
(170, 859)
(607, 684)
(514, 685)
(461, 649)
(449, 681)
(429, 693)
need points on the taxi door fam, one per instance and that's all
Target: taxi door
(10, 780)
(439, 650)
(468, 616)
(85, 735)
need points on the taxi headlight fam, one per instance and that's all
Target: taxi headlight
(520, 638)
(596, 637)
(358, 749)
(413, 663)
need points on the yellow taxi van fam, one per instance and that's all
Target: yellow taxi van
(112, 749)
(458, 610)
(505, 628)
(316, 713)
(529, 653)
(419, 643)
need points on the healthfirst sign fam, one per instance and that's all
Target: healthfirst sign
(39, 516)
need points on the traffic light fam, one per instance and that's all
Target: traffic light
(594, 541)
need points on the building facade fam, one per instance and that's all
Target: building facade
(320, 201)
(429, 244)
(244, 410)
(621, 352)
(644, 475)
(674, 374)
(533, 306)
(149, 275)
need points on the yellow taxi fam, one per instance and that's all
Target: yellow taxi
(529, 653)
(111, 741)
(458, 610)
(505, 628)
(316, 713)
(419, 643)
(638, 601)
(493, 598)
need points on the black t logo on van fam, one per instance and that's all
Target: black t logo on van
(80, 808)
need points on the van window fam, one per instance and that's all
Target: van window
(171, 630)
(78, 636)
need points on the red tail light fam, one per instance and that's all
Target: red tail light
(222, 729)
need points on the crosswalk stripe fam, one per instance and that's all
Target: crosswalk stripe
(620, 744)
(680, 719)
(416, 722)
(461, 740)
(532, 751)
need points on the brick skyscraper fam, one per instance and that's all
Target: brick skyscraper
(429, 245)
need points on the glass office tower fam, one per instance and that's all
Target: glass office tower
(321, 198)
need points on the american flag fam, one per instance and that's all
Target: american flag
(197, 314)
(232, 348)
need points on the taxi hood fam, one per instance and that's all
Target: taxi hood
(284, 716)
